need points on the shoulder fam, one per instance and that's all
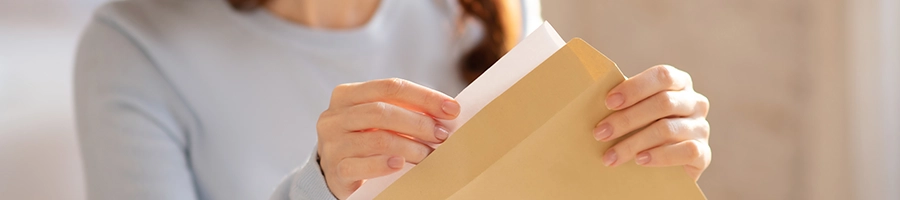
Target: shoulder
(164, 22)
(155, 13)
(169, 33)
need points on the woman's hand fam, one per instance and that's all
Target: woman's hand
(663, 100)
(371, 128)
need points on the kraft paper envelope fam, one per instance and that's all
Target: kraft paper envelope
(534, 141)
(528, 54)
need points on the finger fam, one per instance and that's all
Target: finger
(660, 105)
(353, 169)
(695, 155)
(386, 143)
(380, 115)
(399, 92)
(664, 131)
(651, 81)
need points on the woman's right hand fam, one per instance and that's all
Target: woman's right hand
(371, 128)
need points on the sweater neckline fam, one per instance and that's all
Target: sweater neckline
(264, 21)
(374, 21)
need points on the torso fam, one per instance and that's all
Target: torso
(256, 84)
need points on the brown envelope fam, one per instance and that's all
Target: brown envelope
(535, 141)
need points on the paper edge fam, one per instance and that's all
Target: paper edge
(506, 72)
(539, 45)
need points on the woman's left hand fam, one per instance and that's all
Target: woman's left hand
(663, 100)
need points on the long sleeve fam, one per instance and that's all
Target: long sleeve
(305, 182)
(183, 99)
(131, 124)
(308, 182)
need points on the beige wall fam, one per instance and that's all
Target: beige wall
(773, 70)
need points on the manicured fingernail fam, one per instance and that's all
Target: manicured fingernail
(450, 107)
(609, 158)
(441, 133)
(643, 158)
(395, 162)
(602, 132)
(615, 100)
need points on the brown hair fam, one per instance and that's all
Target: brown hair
(494, 44)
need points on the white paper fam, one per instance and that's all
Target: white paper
(524, 57)
(521, 59)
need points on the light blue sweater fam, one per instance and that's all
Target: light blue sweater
(188, 99)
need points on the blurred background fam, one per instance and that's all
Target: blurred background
(805, 94)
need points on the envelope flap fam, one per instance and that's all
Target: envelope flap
(494, 130)
(561, 160)
(595, 62)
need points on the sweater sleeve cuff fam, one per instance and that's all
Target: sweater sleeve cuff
(306, 182)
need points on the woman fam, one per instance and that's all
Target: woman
(214, 99)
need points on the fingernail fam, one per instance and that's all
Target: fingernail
(441, 133)
(395, 162)
(609, 158)
(643, 158)
(450, 107)
(615, 100)
(602, 132)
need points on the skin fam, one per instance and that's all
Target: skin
(371, 128)
(663, 100)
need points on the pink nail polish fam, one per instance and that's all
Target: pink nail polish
(441, 133)
(602, 132)
(451, 108)
(395, 162)
(610, 158)
(615, 100)
(643, 158)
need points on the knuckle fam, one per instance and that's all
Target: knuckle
(379, 111)
(704, 100)
(321, 124)
(704, 129)
(680, 72)
(431, 98)
(321, 128)
(339, 90)
(687, 76)
(626, 148)
(326, 151)
(424, 124)
(703, 104)
(326, 124)
(342, 88)
(383, 109)
(667, 127)
(667, 102)
(692, 149)
(664, 74)
(344, 170)
(392, 86)
(625, 119)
